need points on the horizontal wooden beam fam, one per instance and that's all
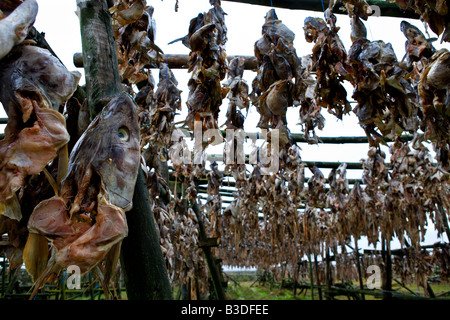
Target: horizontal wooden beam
(208, 242)
(387, 9)
(403, 251)
(179, 61)
(309, 164)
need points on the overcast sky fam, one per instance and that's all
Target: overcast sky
(57, 18)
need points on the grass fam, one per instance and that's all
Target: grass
(248, 290)
(244, 286)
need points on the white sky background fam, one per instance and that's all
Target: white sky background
(58, 20)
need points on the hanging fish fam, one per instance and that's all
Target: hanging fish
(14, 28)
(33, 86)
(85, 222)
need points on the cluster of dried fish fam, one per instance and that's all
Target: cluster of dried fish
(435, 102)
(238, 99)
(329, 62)
(273, 90)
(189, 265)
(435, 13)
(385, 100)
(34, 88)
(134, 33)
(85, 221)
(427, 75)
(207, 63)
(156, 114)
(267, 212)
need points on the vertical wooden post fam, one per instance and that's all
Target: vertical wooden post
(387, 274)
(210, 260)
(91, 288)
(316, 266)
(99, 54)
(311, 276)
(328, 274)
(146, 276)
(3, 273)
(358, 266)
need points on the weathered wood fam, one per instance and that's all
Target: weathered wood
(358, 266)
(146, 276)
(309, 164)
(179, 61)
(403, 251)
(316, 268)
(311, 276)
(386, 274)
(208, 242)
(387, 9)
(210, 260)
(99, 54)
(145, 273)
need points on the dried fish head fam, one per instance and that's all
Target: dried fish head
(275, 28)
(313, 28)
(358, 29)
(438, 75)
(14, 28)
(416, 46)
(109, 148)
(86, 222)
(278, 97)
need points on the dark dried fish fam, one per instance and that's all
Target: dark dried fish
(85, 222)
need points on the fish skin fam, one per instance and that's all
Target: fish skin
(87, 219)
(112, 159)
(33, 85)
(438, 75)
(14, 28)
(273, 27)
(358, 29)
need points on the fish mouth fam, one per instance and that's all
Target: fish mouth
(120, 201)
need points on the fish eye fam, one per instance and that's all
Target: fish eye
(123, 133)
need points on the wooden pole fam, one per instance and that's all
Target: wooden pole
(99, 54)
(311, 276)
(358, 265)
(210, 260)
(387, 9)
(386, 285)
(316, 267)
(3, 273)
(178, 61)
(329, 281)
(146, 276)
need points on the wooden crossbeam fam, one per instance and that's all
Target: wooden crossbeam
(180, 61)
(387, 9)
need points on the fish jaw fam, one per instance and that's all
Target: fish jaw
(90, 248)
(79, 241)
